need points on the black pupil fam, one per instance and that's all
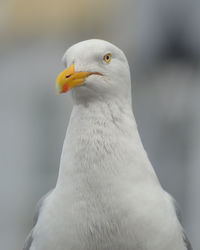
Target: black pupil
(107, 57)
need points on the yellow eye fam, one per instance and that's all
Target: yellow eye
(107, 58)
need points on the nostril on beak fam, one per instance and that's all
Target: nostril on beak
(67, 76)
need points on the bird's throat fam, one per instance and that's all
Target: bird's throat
(97, 135)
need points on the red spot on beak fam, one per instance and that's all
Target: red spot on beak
(65, 88)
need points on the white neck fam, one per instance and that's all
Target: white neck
(102, 140)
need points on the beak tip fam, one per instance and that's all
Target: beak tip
(58, 90)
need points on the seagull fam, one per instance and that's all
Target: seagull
(107, 195)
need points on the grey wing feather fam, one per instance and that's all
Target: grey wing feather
(178, 214)
(29, 239)
(187, 242)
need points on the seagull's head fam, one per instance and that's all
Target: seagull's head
(95, 69)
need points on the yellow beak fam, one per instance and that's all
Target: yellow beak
(68, 79)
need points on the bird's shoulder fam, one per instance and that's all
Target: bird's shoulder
(179, 217)
(29, 239)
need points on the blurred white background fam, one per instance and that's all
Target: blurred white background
(162, 42)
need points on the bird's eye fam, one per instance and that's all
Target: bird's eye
(107, 58)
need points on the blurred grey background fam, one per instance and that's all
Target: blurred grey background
(162, 42)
